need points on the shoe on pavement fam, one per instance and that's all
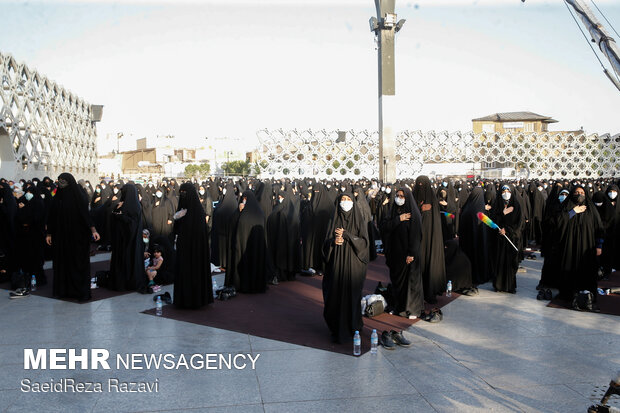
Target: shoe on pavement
(386, 341)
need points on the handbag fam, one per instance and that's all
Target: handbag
(582, 301)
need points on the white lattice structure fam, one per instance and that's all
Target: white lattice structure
(44, 129)
(355, 154)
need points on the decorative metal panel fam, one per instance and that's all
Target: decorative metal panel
(355, 154)
(49, 128)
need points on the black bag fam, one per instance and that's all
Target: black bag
(582, 301)
(19, 280)
(102, 278)
(226, 293)
(374, 309)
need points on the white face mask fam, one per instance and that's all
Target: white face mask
(116, 190)
(346, 205)
(506, 196)
(158, 194)
(388, 190)
(224, 191)
(102, 186)
(399, 201)
(201, 192)
(540, 188)
(28, 196)
(598, 204)
(613, 194)
(383, 188)
(43, 196)
(280, 200)
(146, 240)
(562, 198)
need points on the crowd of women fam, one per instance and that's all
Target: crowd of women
(267, 232)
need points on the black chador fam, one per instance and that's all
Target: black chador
(127, 262)
(283, 236)
(70, 229)
(246, 267)
(581, 235)
(346, 258)
(192, 283)
(316, 220)
(507, 214)
(402, 234)
(30, 234)
(474, 237)
(161, 214)
(432, 262)
(222, 218)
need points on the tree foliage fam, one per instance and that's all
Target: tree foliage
(197, 171)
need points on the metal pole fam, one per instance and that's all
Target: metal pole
(385, 27)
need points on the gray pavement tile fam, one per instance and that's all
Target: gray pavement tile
(310, 360)
(470, 401)
(242, 408)
(397, 403)
(332, 384)
(185, 390)
(8, 398)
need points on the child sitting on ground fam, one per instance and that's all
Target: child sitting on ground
(156, 262)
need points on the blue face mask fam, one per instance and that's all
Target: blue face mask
(562, 198)
(445, 184)
(28, 196)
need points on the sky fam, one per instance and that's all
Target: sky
(229, 68)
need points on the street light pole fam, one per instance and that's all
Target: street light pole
(385, 26)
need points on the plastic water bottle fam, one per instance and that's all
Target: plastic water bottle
(33, 283)
(449, 289)
(601, 291)
(214, 284)
(374, 342)
(158, 306)
(357, 344)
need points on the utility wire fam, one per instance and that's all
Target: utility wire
(605, 17)
(584, 35)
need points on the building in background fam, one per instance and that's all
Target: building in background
(44, 128)
(515, 122)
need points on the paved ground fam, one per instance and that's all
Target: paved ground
(494, 352)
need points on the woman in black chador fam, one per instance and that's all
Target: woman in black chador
(69, 231)
(475, 237)
(432, 263)
(507, 214)
(127, 261)
(222, 217)
(283, 236)
(346, 256)
(581, 241)
(402, 233)
(192, 282)
(246, 268)
(316, 219)
(30, 234)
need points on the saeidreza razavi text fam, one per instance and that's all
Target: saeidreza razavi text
(99, 359)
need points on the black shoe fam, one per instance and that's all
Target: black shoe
(19, 293)
(274, 281)
(386, 341)
(548, 294)
(399, 339)
(165, 298)
(541, 295)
